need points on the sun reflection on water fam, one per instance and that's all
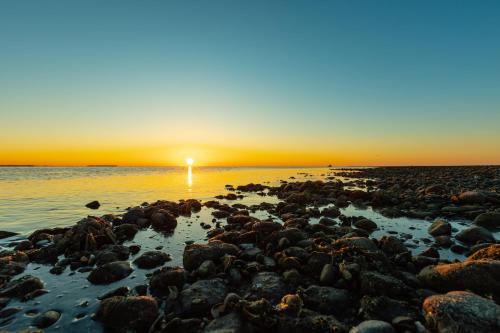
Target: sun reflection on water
(190, 177)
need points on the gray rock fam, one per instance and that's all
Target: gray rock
(475, 234)
(46, 319)
(366, 224)
(461, 312)
(198, 298)
(440, 228)
(195, 254)
(373, 326)
(230, 323)
(488, 220)
(268, 285)
(326, 300)
(374, 283)
(110, 272)
(152, 259)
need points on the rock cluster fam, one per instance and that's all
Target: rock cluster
(285, 273)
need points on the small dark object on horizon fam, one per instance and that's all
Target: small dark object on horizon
(93, 205)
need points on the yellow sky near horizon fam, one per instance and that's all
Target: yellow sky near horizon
(369, 154)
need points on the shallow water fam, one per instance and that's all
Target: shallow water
(38, 197)
(33, 198)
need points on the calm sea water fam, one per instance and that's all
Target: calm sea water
(37, 197)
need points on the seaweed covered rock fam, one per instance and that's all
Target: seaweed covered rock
(479, 276)
(127, 313)
(461, 312)
(166, 277)
(195, 254)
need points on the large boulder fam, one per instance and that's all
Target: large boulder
(128, 313)
(488, 220)
(461, 312)
(479, 276)
(198, 298)
(195, 254)
(110, 272)
(474, 235)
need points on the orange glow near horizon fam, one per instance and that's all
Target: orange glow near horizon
(205, 155)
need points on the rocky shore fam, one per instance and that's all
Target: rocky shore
(305, 267)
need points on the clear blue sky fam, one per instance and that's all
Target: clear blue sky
(393, 82)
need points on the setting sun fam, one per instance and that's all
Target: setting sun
(189, 161)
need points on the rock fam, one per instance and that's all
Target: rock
(21, 287)
(461, 312)
(385, 308)
(331, 212)
(6, 234)
(110, 253)
(290, 305)
(152, 259)
(374, 283)
(471, 197)
(488, 220)
(313, 323)
(198, 298)
(489, 252)
(164, 278)
(362, 243)
(128, 313)
(207, 269)
(440, 228)
(373, 326)
(195, 254)
(110, 272)
(46, 319)
(230, 323)
(163, 220)
(268, 285)
(431, 252)
(126, 231)
(328, 275)
(326, 300)
(392, 245)
(366, 224)
(475, 234)
(8, 312)
(479, 276)
(241, 219)
(120, 291)
(93, 204)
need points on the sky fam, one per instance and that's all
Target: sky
(250, 82)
